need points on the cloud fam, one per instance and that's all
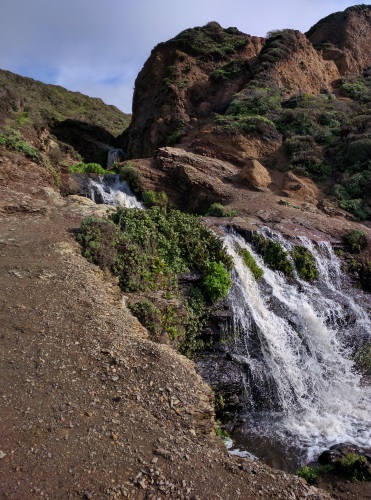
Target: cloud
(97, 47)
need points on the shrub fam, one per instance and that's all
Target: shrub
(87, 168)
(195, 320)
(355, 240)
(305, 263)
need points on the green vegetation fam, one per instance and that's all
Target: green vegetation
(311, 474)
(355, 240)
(13, 139)
(88, 168)
(305, 263)
(148, 250)
(277, 258)
(210, 41)
(217, 210)
(249, 261)
(160, 321)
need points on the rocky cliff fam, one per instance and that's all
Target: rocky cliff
(297, 104)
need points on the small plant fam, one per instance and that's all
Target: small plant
(220, 432)
(355, 240)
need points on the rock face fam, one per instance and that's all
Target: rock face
(179, 85)
(344, 37)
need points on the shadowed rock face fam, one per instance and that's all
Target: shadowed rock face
(344, 37)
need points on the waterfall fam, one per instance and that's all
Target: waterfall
(110, 190)
(115, 156)
(292, 341)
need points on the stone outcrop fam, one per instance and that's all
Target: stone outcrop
(344, 37)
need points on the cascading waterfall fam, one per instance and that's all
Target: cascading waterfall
(110, 190)
(291, 341)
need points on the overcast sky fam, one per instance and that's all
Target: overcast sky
(98, 47)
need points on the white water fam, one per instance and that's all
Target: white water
(290, 341)
(110, 190)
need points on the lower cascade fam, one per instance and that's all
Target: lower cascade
(110, 190)
(293, 343)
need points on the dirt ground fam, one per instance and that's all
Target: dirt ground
(90, 408)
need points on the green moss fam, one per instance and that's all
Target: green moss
(305, 263)
(274, 255)
(131, 176)
(362, 358)
(249, 261)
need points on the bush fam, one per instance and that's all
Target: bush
(88, 168)
(355, 240)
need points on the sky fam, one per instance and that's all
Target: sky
(98, 47)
